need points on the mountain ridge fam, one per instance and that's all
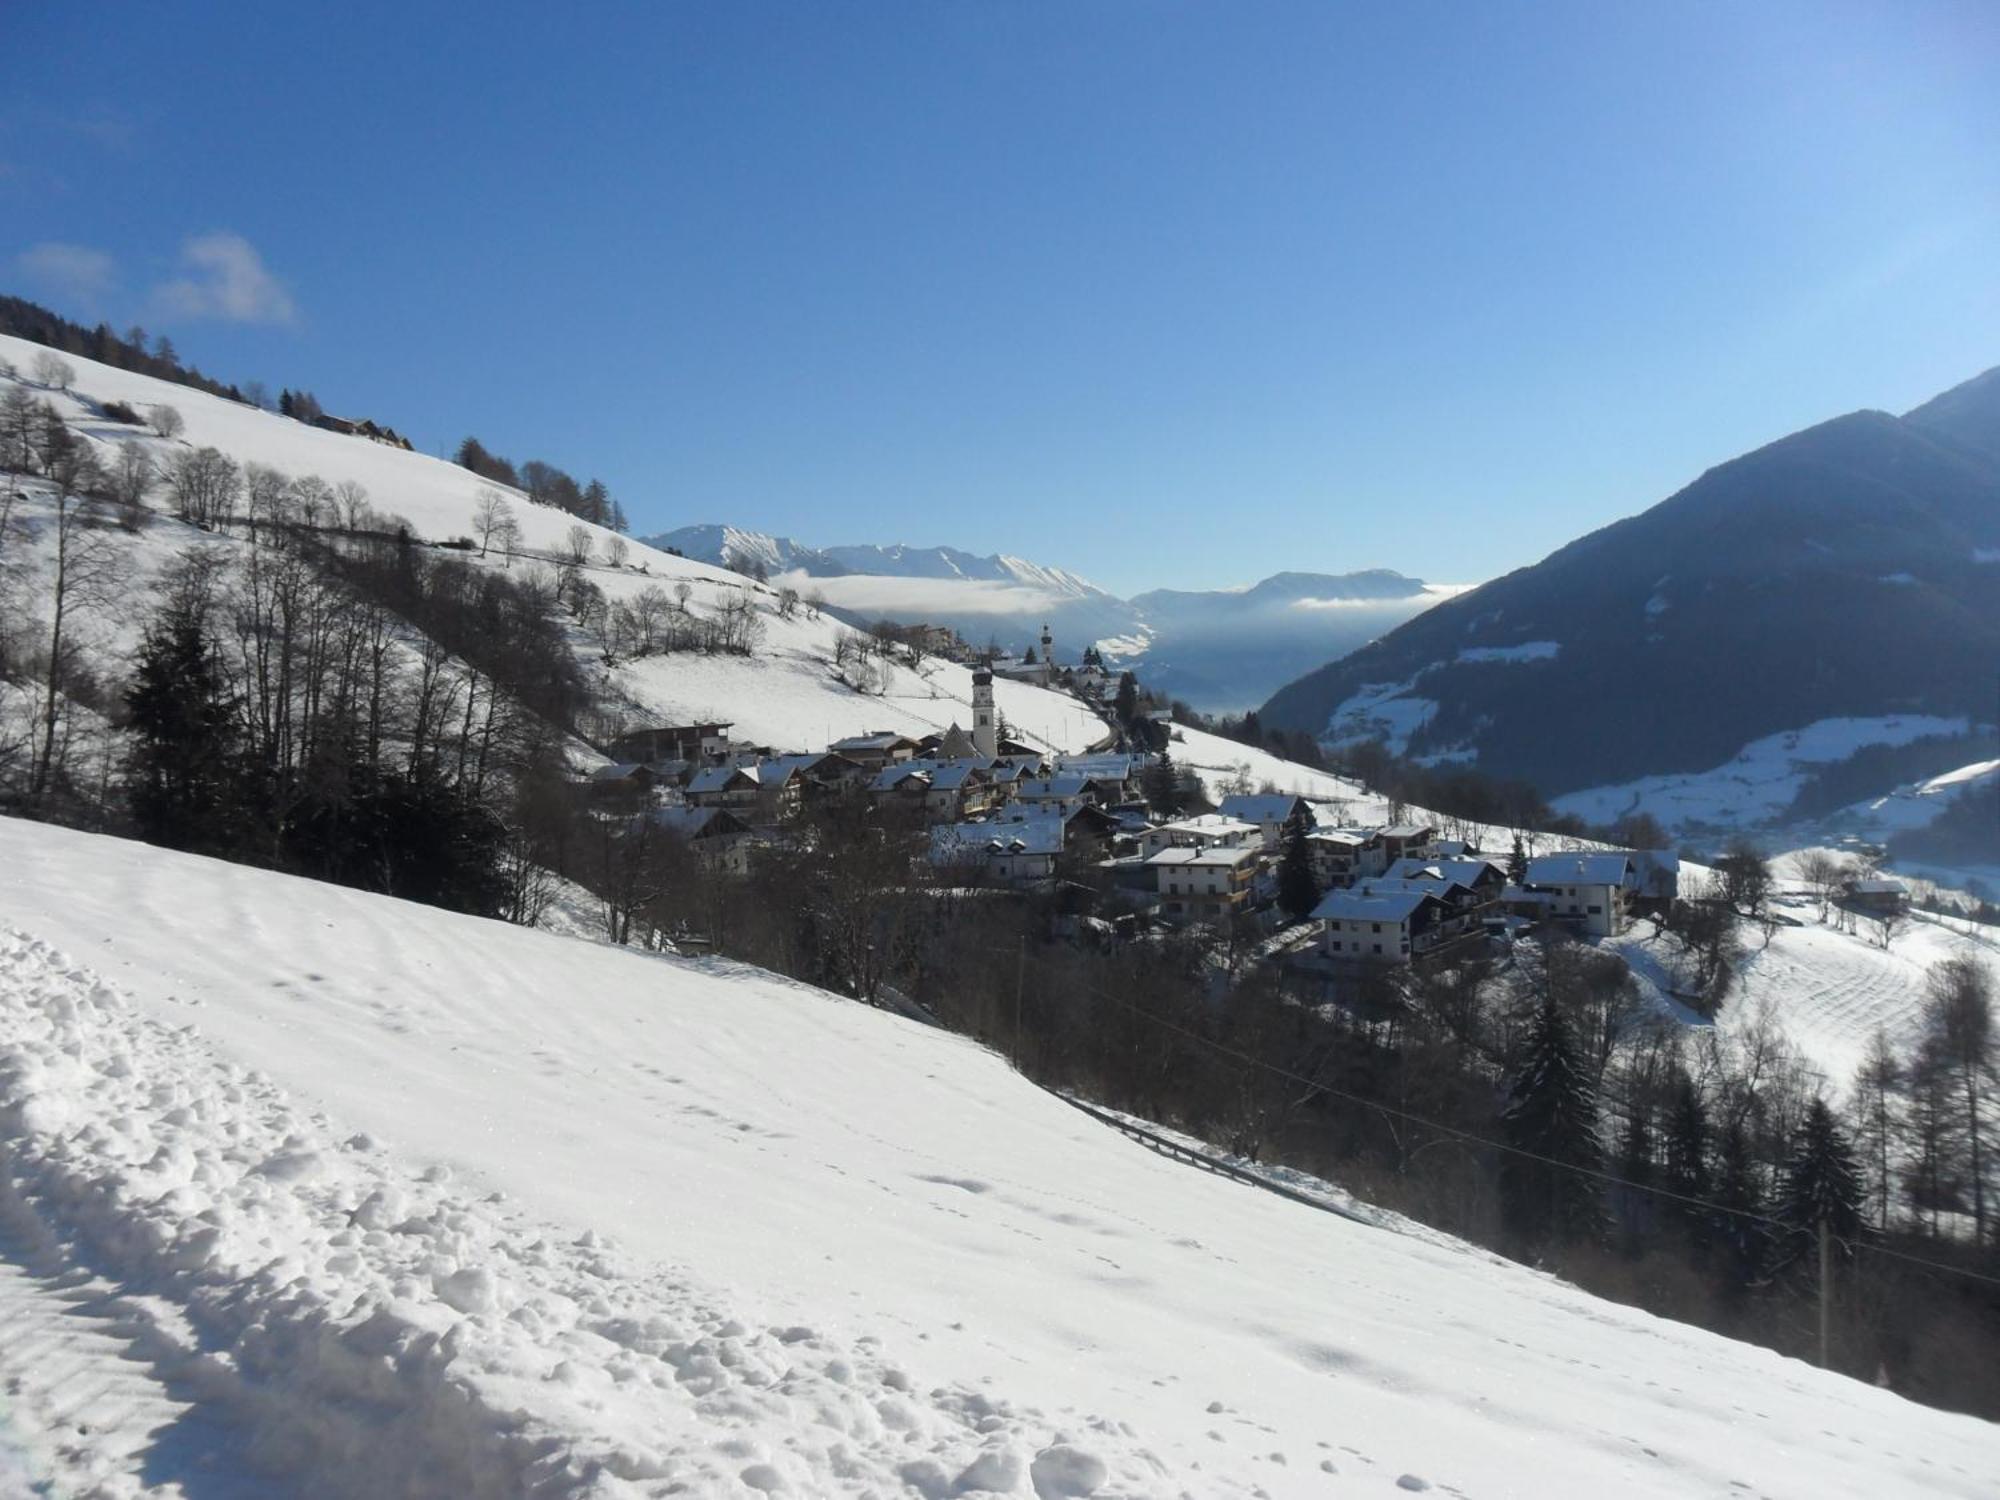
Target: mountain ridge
(1845, 570)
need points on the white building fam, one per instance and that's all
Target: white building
(1208, 831)
(1377, 925)
(1270, 811)
(1584, 890)
(1204, 885)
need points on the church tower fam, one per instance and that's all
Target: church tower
(985, 727)
(1049, 650)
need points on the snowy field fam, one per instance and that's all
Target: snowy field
(346, 1197)
(785, 695)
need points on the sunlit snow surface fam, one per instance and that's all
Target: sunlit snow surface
(752, 1238)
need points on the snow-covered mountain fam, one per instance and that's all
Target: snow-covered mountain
(1221, 650)
(1840, 584)
(314, 1192)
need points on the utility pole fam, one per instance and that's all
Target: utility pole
(1825, 1289)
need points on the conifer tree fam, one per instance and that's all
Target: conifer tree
(1517, 863)
(1298, 888)
(183, 762)
(1161, 786)
(1552, 1112)
(1685, 1167)
(1822, 1184)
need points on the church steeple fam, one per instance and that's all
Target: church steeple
(985, 726)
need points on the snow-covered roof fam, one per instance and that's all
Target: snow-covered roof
(1465, 872)
(695, 822)
(1346, 838)
(1209, 825)
(1408, 831)
(1062, 784)
(1211, 856)
(1877, 885)
(881, 739)
(1261, 807)
(958, 842)
(1370, 905)
(718, 778)
(1580, 869)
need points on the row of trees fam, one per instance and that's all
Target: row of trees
(545, 484)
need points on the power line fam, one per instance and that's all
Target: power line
(1474, 1138)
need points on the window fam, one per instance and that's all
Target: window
(1378, 947)
(1378, 928)
(1597, 911)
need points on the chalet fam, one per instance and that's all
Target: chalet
(621, 780)
(1207, 831)
(1584, 890)
(735, 787)
(1062, 790)
(1340, 856)
(1388, 926)
(1880, 894)
(1482, 880)
(1272, 812)
(1117, 776)
(717, 836)
(1022, 852)
(876, 750)
(795, 781)
(1406, 841)
(660, 742)
(1204, 885)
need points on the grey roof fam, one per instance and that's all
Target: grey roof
(1063, 784)
(1580, 869)
(617, 770)
(1408, 831)
(695, 822)
(892, 776)
(1183, 855)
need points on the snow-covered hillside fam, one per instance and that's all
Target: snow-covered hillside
(786, 695)
(374, 1199)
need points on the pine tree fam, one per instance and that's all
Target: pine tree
(1685, 1169)
(1822, 1184)
(1552, 1112)
(1739, 1194)
(1517, 863)
(1161, 786)
(1298, 888)
(182, 765)
(1127, 704)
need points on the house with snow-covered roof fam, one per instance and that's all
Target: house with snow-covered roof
(1205, 885)
(1368, 924)
(1340, 856)
(1582, 889)
(1204, 831)
(1272, 812)
(1024, 851)
(877, 749)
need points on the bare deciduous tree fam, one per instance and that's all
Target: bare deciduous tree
(489, 511)
(53, 371)
(131, 474)
(204, 483)
(577, 544)
(314, 498)
(616, 550)
(167, 421)
(83, 577)
(350, 501)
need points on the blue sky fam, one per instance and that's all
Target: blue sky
(1171, 294)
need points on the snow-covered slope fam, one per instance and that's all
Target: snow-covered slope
(411, 1194)
(785, 695)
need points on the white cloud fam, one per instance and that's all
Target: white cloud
(226, 280)
(73, 272)
(865, 592)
